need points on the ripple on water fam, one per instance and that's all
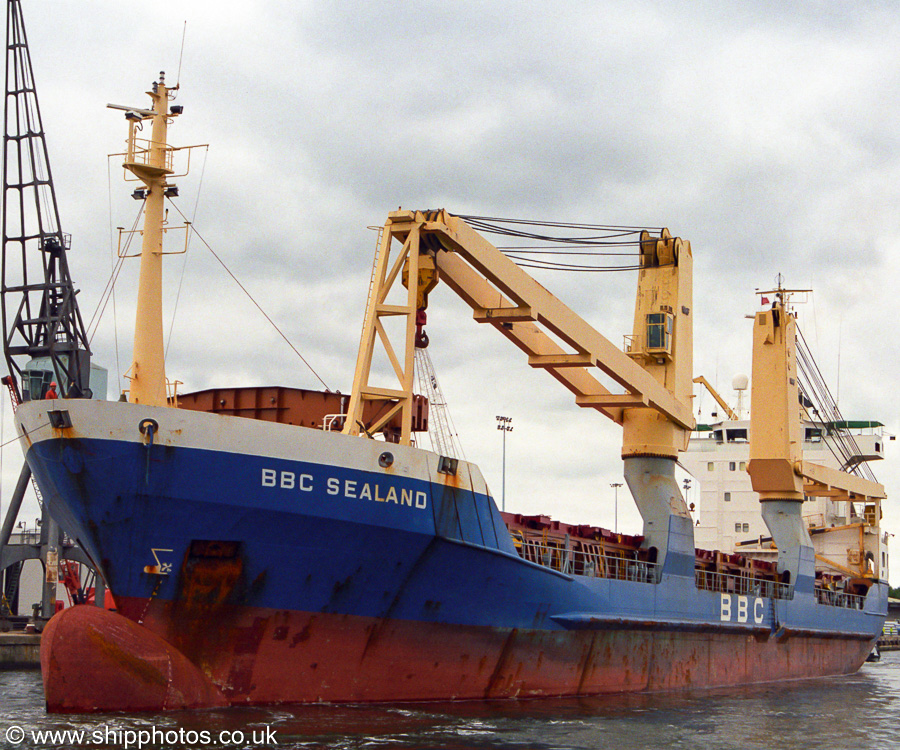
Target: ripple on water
(857, 711)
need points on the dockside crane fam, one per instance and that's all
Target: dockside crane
(44, 337)
(422, 249)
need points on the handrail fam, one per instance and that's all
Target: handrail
(591, 564)
(329, 420)
(729, 583)
(627, 567)
(839, 599)
(140, 151)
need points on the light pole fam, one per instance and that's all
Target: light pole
(615, 486)
(504, 424)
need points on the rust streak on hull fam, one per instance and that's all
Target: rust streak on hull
(300, 657)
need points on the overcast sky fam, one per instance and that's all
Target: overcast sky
(765, 133)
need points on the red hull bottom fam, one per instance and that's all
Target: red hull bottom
(96, 660)
(103, 661)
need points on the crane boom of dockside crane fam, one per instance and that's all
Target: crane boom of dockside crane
(42, 323)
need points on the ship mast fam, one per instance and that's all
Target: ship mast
(151, 162)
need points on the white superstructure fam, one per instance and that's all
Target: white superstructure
(726, 510)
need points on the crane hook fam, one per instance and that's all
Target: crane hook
(421, 336)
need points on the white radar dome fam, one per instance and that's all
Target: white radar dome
(740, 382)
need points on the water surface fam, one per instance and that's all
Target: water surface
(860, 711)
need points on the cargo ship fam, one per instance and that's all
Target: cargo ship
(271, 545)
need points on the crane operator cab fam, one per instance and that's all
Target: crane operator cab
(38, 375)
(35, 383)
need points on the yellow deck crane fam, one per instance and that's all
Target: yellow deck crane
(654, 371)
(777, 469)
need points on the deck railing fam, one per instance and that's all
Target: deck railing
(839, 599)
(730, 583)
(590, 564)
(625, 568)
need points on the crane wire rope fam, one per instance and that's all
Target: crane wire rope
(35, 127)
(112, 264)
(843, 445)
(181, 55)
(110, 286)
(594, 240)
(251, 298)
(111, 281)
(187, 248)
